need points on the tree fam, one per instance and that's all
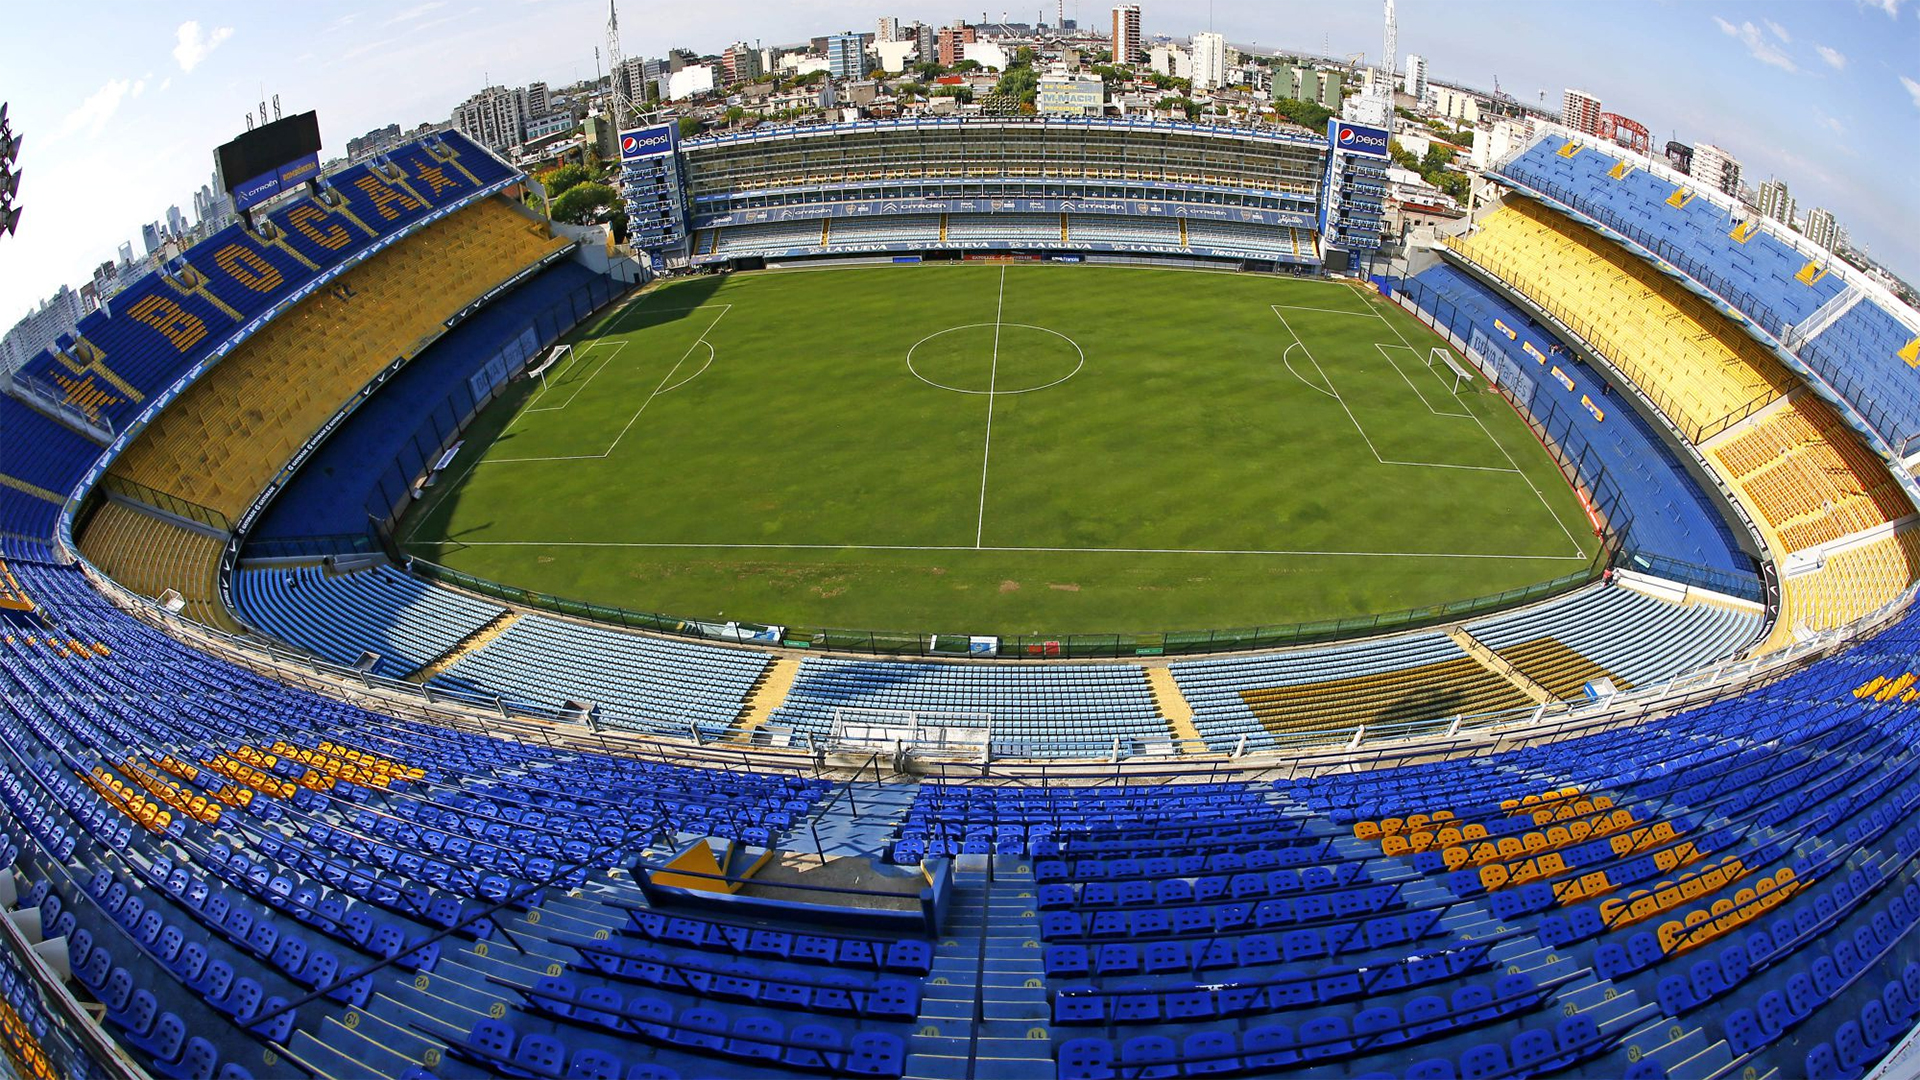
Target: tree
(1186, 105)
(965, 66)
(929, 71)
(558, 181)
(1024, 57)
(1308, 114)
(1436, 160)
(586, 204)
(689, 126)
(734, 113)
(1019, 83)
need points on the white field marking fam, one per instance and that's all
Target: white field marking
(1537, 493)
(1356, 420)
(993, 378)
(915, 372)
(1296, 374)
(1015, 549)
(1409, 381)
(1332, 311)
(703, 369)
(657, 391)
(604, 361)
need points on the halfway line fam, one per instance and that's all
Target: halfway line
(993, 376)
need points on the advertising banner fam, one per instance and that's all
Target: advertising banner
(1351, 138)
(649, 142)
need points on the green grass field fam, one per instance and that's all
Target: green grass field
(1004, 449)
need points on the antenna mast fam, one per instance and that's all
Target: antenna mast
(1390, 60)
(622, 104)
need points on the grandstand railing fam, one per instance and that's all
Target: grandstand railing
(1695, 431)
(53, 1030)
(1297, 753)
(115, 484)
(896, 643)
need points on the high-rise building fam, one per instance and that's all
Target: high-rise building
(953, 42)
(845, 57)
(924, 40)
(1416, 83)
(495, 117)
(1209, 60)
(537, 99)
(1775, 201)
(1680, 156)
(1580, 111)
(740, 63)
(1716, 169)
(887, 29)
(1126, 34)
(176, 222)
(150, 236)
(55, 316)
(1822, 229)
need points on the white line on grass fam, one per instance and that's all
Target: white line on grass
(1332, 311)
(1014, 549)
(657, 391)
(1409, 381)
(1356, 420)
(993, 378)
(617, 346)
(1537, 493)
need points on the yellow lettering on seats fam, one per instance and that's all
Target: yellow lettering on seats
(172, 320)
(436, 180)
(302, 218)
(248, 268)
(385, 195)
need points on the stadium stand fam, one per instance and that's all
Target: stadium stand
(647, 683)
(224, 439)
(1073, 710)
(1674, 517)
(150, 554)
(1808, 476)
(1848, 333)
(338, 488)
(161, 326)
(1695, 365)
(1420, 680)
(406, 621)
(230, 876)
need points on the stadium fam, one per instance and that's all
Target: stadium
(976, 597)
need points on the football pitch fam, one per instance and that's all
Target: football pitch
(1004, 449)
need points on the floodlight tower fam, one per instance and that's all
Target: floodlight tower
(622, 105)
(1390, 62)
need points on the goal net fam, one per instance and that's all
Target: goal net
(559, 354)
(1441, 361)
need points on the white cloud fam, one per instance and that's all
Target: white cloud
(1832, 124)
(1778, 30)
(1835, 59)
(192, 45)
(139, 87)
(1891, 7)
(93, 113)
(1757, 45)
(1913, 90)
(414, 12)
(164, 83)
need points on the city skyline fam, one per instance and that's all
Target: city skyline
(1797, 91)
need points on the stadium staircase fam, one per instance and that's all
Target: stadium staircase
(1498, 664)
(769, 692)
(1174, 705)
(473, 642)
(150, 552)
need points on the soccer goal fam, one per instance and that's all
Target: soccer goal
(559, 354)
(1442, 356)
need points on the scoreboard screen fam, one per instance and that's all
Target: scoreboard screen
(270, 159)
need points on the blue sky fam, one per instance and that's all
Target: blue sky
(1822, 93)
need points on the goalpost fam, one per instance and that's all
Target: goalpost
(558, 354)
(1461, 376)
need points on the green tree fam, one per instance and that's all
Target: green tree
(1436, 160)
(1024, 57)
(734, 113)
(586, 204)
(558, 181)
(929, 71)
(689, 126)
(1019, 83)
(1401, 156)
(1307, 114)
(1186, 105)
(965, 66)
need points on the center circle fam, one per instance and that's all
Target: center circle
(997, 358)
